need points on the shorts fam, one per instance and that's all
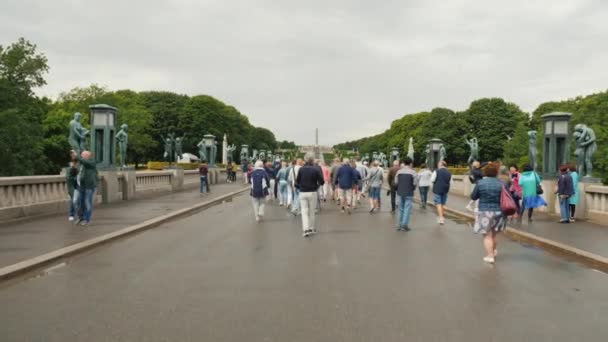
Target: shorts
(346, 194)
(374, 193)
(440, 199)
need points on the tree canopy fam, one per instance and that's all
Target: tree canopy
(33, 130)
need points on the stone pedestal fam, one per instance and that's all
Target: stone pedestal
(109, 186)
(177, 179)
(129, 183)
(550, 196)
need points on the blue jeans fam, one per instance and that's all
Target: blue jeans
(283, 192)
(295, 206)
(405, 207)
(83, 200)
(424, 195)
(564, 209)
(73, 207)
(204, 184)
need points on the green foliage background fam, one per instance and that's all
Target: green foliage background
(33, 130)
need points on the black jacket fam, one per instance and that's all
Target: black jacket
(309, 178)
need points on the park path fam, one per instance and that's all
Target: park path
(30, 238)
(219, 276)
(583, 235)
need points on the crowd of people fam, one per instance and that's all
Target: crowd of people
(303, 184)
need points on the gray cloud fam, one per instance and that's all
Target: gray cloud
(347, 67)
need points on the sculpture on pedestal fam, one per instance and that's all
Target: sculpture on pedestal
(254, 155)
(410, 149)
(474, 153)
(244, 153)
(442, 153)
(229, 150)
(202, 153)
(213, 154)
(178, 147)
(532, 149)
(382, 159)
(585, 140)
(77, 134)
(427, 151)
(169, 152)
(374, 156)
(122, 137)
(394, 154)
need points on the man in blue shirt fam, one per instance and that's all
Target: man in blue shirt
(346, 178)
(441, 179)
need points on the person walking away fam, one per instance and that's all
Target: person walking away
(229, 172)
(405, 181)
(574, 199)
(515, 189)
(441, 179)
(363, 173)
(272, 177)
(531, 189)
(308, 181)
(327, 182)
(565, 190)
(345, 180)
(277, 167)
(203, 172)
(246, 167)
(283, 185)
(87, 184)
(424, 183)
(333, 172)
(489, 219)
(260, 183)
(71, 178)
(356, 185)
(474, 177)
(391, 184)
(293, 175)
(375, 178)
(290, 190)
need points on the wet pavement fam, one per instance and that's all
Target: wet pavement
(581, 234)
(219, 276)
(30, 238)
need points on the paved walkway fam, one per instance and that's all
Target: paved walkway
(26, 239)
(583, 235)
(219, 276)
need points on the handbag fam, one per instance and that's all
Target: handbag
(539, 189)
(507, 204)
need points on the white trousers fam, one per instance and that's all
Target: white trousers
(308, 201)
(258, 206)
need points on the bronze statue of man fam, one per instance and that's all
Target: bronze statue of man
(77, 134)
(585, 140)
(123, 141)
(532, 149)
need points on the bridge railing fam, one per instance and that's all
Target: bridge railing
(39, 195)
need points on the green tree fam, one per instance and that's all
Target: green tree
(493, 121)
(21, 70)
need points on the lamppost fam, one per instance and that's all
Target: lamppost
(210, 148)
(103, 119)
(556, 142)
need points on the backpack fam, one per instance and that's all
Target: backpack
(507, 204)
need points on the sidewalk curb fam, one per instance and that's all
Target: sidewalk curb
(28, 265)
(587, 258)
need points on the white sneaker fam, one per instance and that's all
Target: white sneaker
(489, 260)
(71, 218)
(469, 208)
(442, 221)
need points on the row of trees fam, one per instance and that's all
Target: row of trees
(33, 130)
(493, 121)
(501, 128)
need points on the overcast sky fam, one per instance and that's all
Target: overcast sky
(347, 67)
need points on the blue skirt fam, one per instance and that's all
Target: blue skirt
(533, 202)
